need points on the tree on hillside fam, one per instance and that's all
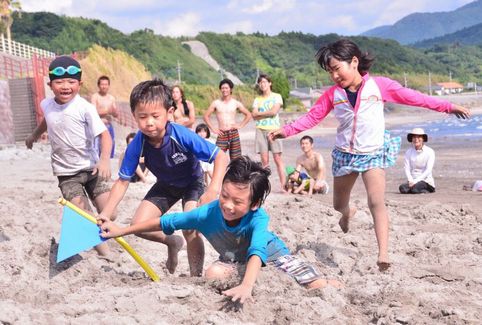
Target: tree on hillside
(281, 84)
(7, 7)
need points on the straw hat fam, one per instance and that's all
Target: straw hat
(417, 131)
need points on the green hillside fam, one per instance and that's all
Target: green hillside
(63, 35)
(291, 54)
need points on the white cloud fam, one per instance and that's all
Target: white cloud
(169, 17)
(186, 24)
(259, 7)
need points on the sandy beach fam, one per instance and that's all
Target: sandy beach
(435, 248)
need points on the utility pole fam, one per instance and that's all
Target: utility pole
(450, 75)
(257, 75)
(405, 79)
(221, 72)
(475, 87)
(429, 83)
(178, 72)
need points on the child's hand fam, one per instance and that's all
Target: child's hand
(277, 134)
(241, 293)
(103, 168)
(460, 111)
(29, 141)
(108, 228)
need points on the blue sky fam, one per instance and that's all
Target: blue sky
(188, 17)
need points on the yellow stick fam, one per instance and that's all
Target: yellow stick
(120, 240)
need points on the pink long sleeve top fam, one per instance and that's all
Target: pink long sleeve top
(361, 128)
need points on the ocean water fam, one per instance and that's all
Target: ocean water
(450, 127)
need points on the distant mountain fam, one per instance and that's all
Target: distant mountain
(291, 54)
(421, 26)
(467, 36)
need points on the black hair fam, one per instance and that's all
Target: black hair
(307, 137)
(183, 100)
(151, 91)
(130, 136)
(263, 76)
(344, 50)
(103, 78)
(204, 127)
(226, 81)
(243, 170)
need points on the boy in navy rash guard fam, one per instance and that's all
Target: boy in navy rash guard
(237, 228)
(172, 153)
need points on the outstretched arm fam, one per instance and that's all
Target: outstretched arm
(243, 292)
(110, 230)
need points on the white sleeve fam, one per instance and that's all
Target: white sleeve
(408, 171)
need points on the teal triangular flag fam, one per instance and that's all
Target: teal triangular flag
(77, 234)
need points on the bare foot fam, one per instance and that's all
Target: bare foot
(383, 266)
(345, 220)
(321, 283)
(173, 249)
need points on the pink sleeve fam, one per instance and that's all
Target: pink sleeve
(316, 114)
(393, 92)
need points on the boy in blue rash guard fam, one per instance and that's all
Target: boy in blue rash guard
(237, 228)
(172, 153)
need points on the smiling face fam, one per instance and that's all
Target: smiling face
(151, 119)
(225, 90)
(417, 141)
(306, 145)
(345, 74)
(65, 89)
(235, 202)
(265, 86)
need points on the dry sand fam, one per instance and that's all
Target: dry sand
(435, 247)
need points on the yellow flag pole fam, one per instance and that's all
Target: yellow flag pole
(120, 240)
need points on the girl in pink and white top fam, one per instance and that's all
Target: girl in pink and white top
(362, 145)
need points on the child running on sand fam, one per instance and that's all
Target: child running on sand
(362, 145)
(172, 153)
(73, 124)
(237, 228)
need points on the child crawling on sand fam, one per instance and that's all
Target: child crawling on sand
(237, 228)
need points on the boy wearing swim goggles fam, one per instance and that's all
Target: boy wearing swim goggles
(72, 124)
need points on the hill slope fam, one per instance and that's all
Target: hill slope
(420, 26)
(468, 36)
(63, 35)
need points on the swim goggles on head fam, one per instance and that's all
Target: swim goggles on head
(60, 71)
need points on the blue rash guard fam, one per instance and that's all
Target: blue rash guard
(176, 162)
(234, 244)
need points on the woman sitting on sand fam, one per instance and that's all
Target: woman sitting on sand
(419, 160)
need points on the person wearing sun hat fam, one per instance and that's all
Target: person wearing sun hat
(419, 161)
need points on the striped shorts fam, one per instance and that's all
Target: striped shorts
(345, 163)
(229, 140)
(295, 267)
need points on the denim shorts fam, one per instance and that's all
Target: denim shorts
(165, 196)
(82, 184)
